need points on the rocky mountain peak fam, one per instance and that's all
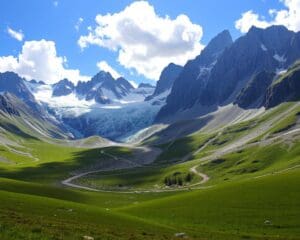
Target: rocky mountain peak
(62, 88)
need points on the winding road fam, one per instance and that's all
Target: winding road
(204, 177)
(70, 181)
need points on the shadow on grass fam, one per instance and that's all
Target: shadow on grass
(14, 129)
(184, 143)
(181, 129)
(54, 171)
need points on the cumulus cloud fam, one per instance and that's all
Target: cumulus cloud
(289, 17)
(145, 41)
(18, 35)
(38, 60)
(104, 66)
(78, 23)
(248, 20)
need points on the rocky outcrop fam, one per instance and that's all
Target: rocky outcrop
(285, 88)
(252, 95)
(103, 88)
(193, 77)
(11, 82)
(63, 88)
(6, 106)
(166, 79)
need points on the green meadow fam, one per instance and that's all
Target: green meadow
(252, 191)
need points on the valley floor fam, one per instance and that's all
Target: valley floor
(240, 181)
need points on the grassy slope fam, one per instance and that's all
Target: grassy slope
(244, 163)
(57, 219)
(252, 162)
(145, 178)
(179, 148)
(50, 162)
(233, 209)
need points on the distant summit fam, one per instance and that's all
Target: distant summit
(145, 85)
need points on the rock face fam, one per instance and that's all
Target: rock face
(224, 69)
(124, 85)
(63, 88)
(36, 82)
(193, 77)
(11, 82)
(253, 94)
(285, 88)
(103, 88)
(258, 50)
(6, 105)
(166, 79)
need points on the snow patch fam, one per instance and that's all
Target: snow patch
(280, 71)
(278, 58)
(263, 47)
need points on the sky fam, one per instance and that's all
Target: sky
(54, 39)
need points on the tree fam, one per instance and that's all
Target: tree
(188, 177)
(179, 181)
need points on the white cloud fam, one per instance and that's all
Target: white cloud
(104, 66)
(18, 35)
(55, 3)
(145, 41)
(248, 20)
(289, 17)
(38, 60)
(78, 24)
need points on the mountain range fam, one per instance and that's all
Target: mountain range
(225, 71)
(259, 69)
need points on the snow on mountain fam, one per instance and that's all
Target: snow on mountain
(125, 114)
(280, 59)
(115, 122)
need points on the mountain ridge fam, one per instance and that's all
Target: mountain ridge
(235, 67)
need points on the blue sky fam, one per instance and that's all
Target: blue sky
(56, 21)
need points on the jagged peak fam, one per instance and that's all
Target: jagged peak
(65, 81)
(273, 28)
(221, 40)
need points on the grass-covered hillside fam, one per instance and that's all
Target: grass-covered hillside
(237, 181)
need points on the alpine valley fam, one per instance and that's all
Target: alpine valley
(211, 152)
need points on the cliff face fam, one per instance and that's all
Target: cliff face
(166, 79)
(6, 105)
(252, 95)
(193, 77)
(236, 72)
(63, 88)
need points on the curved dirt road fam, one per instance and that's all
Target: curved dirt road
(204, 177)
(68, 181)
